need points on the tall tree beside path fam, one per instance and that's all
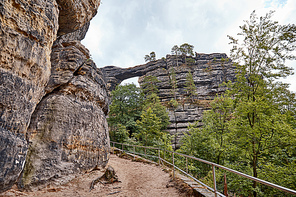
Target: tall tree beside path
(260, 127)
(126, 107)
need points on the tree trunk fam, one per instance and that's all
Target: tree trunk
(254, 165)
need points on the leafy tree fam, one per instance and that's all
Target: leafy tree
(252, 127)
(173, 104)
(260, 128)
(149, 84)
(149, 128)
(118, 133)
(176, 51)
(151, 57)
(187, 49)
(152, 101)
(190, 86)
(126, 107)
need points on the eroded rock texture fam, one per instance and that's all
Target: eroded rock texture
(208, 71)
(68, 131)
(75, 13)
(27, 31)
(53, 100)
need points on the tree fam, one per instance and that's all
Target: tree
(187, 49)
(151, 57)
(260, 127)
(173, 82)
(149, 128)
(149, 84)
(126, 107)
(118, 133)
(152, 101)
(176, 51)
(251, 128)
(190, 86)
(173, 104)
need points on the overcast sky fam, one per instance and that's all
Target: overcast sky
(124, 31)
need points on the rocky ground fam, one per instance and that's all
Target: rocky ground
(135, 179)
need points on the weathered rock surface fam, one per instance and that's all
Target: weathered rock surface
(68, 130)
(208, 71)
(115, 75)
(27, 32)
(75, 13)
(53, 101)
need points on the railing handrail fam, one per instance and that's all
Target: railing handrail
(216, 165)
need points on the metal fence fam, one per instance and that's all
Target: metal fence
(158, 157)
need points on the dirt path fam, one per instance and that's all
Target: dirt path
(136, 179)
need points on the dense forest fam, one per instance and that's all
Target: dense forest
(251, 127)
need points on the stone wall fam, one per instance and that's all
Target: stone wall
(209, 71)
(53, 100)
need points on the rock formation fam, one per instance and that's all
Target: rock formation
(53, 100)
(209, 71)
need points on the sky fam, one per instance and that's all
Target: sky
(124, 31)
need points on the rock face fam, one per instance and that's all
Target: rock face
(27, 31)
(53, 100)
(208, 71)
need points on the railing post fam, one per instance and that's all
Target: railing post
(214, 180)
(145, 151)
(186, 164)
(122, 147)
(173, 165)
(134, 151)
(225, 186)
(158, 156)
(113, 148)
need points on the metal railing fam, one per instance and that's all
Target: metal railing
(214, 189)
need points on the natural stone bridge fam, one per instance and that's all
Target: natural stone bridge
(115, 75)
(208, 71)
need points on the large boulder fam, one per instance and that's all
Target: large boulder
(27, 31)
(68, 130)
(53, 100)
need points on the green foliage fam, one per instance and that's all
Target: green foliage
(118, 133)
(149, 85)
(126, 107)
(152, 101)
(149, 128)
(151, 57)
(190, 61)
(186, 49)
(190, 86)
(134, 115)
(176, 50)
(260, 127)
(252, 127)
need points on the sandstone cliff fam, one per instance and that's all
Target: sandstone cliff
(208, 71)
(53, 100)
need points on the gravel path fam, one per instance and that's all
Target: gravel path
(136, 179)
